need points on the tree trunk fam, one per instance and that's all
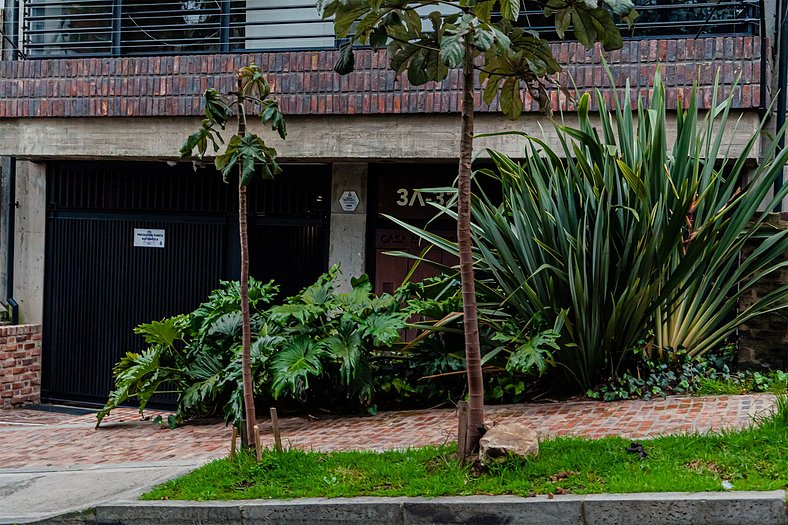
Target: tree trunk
(246, 359)
(473, 361)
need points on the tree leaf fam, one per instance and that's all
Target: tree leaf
(510, 9)
(378, 37)
(345, 17)
(483, 39)
(217, 109)
(452, 48)
(418, 72)
(606, 30)
(583, 25)
(273, 116)
(346, 61)
(563, 17)
(400, 55)
(483, 11)
(511, 102)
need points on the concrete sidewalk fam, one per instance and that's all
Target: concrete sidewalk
(30, 495)
(54, 463)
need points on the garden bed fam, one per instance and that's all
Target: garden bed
(751, 459)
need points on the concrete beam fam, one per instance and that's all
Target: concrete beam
(352, 138)
(29, 240)
(348, 236)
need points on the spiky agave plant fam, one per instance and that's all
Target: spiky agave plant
(628, 233)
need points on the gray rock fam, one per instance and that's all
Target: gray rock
(508, 438)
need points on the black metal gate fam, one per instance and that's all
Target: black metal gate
(105, 272)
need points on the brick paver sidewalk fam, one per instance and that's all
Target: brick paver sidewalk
(36, 439)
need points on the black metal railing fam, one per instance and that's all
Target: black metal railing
(150, 27)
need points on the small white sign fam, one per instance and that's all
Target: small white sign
(349, 201)
(148, 238)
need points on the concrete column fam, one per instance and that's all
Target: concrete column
(347, 240)
(5, 183)
(29, 241)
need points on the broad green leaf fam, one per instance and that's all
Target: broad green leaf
(400, 56)
(418, 69)
(584, 27)
(378, 37)
(510, 9)
(347, 15)
(606, 30)
(511, 102)
(483, 11)
(346, 61)
(452, 48)
(563, 17)
(483, 39)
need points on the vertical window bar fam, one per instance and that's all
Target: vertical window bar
(224, 27)
(116, 25)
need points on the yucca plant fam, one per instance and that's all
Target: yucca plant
(630, 234)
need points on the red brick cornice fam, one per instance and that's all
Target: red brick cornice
(305, 83)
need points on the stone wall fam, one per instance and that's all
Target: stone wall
(20, 365)
(764, 339)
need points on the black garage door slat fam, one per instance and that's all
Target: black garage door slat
(98, 286)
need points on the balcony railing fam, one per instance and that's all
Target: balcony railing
(56, 28)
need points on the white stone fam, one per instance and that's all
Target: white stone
(508, 438)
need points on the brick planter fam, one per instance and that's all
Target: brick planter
(20, 365)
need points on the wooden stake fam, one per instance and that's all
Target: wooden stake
(257, 445)
(233, 442)
(277, 435)
(462, 431)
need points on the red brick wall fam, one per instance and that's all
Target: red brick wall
(306, 84)
(20, 365)
(763, 340)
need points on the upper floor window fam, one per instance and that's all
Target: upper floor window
(151, 27)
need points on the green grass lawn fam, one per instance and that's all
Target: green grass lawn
(753, 459)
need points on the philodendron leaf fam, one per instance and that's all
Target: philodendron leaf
(346, 61)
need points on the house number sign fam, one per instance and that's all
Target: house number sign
(349, 201)
(144, 238)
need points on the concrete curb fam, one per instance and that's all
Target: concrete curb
(673, 508)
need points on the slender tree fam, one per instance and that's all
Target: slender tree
(472, 36)
(246, 154)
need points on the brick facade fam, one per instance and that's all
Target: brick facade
(763, 340)
(306, 84)
(20, 365)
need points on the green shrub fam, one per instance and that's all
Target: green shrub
(621, 233)
(320, 346)
(318, 334)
